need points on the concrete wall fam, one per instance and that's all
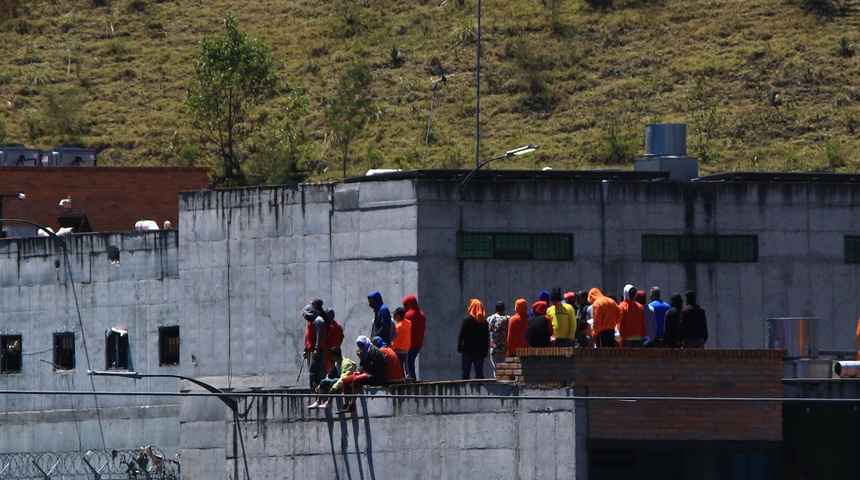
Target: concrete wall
(440, 436)
(800, 270)
(37, 300)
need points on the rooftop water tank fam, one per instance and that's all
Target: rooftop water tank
(666, 140)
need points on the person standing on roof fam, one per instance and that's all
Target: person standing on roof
(315, 350)
(383, 326)
(660, 308)
(403, 342)
(672, 324)
(517, 327)
(563, 319)
(539, 333)
(473, 341)
(606, 314)
(498, 326)
(632, 325)
(419, 325)
(693, 330)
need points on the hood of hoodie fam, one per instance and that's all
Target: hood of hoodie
(544, 297)
(640, 297)
(539, 307)
(375, 300)
(309, 313)
(410, 302)
(594, 294)
(522, 308)
(476, 310)
(677, 301)
(626, 296)
(363, 343)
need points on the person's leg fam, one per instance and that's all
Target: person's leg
(465, 366)
(479, 366)
(413, 354)
(404, 364)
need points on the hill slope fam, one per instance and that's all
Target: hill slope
(763, 84)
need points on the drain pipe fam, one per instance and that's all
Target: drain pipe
(847, 369)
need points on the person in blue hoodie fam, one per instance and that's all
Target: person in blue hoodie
(382, 323)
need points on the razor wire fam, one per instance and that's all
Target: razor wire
(143, 463)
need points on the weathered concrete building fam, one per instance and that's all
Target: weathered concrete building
(247, 260)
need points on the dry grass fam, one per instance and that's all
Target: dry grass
(578, 81)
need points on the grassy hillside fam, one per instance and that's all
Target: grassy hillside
(762, 84)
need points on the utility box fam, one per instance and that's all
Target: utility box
(66, 156)
(19, 156)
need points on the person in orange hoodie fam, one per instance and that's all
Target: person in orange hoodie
(517, 327)
(606, 315)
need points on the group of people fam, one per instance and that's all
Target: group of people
(583, 320)
(388, 355)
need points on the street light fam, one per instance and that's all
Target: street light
(509, 153)
(227, 399)
(19, 196)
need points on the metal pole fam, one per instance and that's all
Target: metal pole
(478, 94)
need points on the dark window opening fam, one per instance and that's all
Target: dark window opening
(700, 248)
(64, 351)
(515, 246)
(117, 352)
(852, 249)
(11, 358)
(168, 346)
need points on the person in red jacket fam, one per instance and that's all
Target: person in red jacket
(517, 327)
(632, 326)
(419, 324)
(393, 368)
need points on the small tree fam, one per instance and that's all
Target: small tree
(232, 75)
(349, 111)
(286, 151)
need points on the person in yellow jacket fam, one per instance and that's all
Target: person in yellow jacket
(563, 320)
(343, 367)
(606, 314)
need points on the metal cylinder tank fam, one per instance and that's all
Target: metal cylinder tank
(797, 335)
(846, 369)
(666, 140)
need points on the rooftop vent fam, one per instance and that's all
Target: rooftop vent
(666, 151)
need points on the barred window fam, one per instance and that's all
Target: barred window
(699, 248)
(168, 346)
(64, 351)
(515, 246)
(11, 358)
(117, 351)
(852, 249)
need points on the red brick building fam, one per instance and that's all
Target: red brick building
(112, 198)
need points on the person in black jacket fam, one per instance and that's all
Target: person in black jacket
(673, 321)
(473, 342)
(693, 331)
(539, 333)
(371, 371)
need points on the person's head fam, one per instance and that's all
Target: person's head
(374, 300)
(363, 343)
(640, 297)
(309, 313)
(476, 310)
(544, 296)
(398, 314)
(330, 313)
(539, 307)
(629, 292)
(691, 297)
(555, 295)
(570, 298)
(582, 297)
(317, 303)
(500, 307)
(676, 300)
(655, 293)
(336, 354)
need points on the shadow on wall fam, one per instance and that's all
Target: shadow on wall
(345, 421)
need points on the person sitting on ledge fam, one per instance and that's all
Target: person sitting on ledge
(372, 366)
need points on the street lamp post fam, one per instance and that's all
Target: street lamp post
(226, 398)
(509, 153)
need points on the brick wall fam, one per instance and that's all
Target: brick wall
(613, 372)
(113, 198)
